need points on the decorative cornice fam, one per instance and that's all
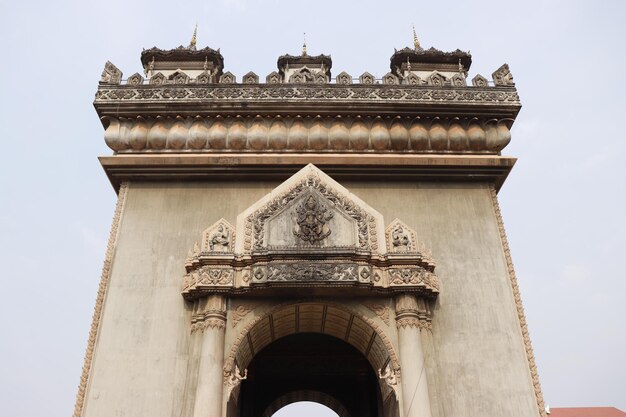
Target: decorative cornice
(355, 93)
(518, 304)
(102, 289)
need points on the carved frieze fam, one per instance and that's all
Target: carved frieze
(413, 276)
(308, 272)
(392, 93)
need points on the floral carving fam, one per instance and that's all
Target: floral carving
(306, 272)
(413, 276)
(278, 91)
(380, 310)
(240, 312)
(312, 221)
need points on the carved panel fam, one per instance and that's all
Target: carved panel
(412, 79)
(135, 79)
(219, 237)
(413, 276)
(436, 80)
(400, 238)
(111, 74)
(251, 78)
(390, 79)
(502, 76)
(307, 272)
(273, 78)
(203, 78)
(209, 276)
(367, 78)
(157, 79)
(228, 78)
(458, 80)
(479, 81)
(179, 77)
(344, 78)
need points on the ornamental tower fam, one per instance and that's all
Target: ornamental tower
(335, 240)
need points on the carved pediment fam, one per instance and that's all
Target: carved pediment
(310, 210)
(309, 232)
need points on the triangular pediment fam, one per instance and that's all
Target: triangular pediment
(310, 211)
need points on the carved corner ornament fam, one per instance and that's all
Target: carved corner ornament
(233, 378)
(390, 378)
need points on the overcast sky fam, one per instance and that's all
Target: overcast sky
(563, 204)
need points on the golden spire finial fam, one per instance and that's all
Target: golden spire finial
(304, 45)
(416, 42)
(192, 44)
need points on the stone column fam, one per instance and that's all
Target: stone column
(416, 402)
(208, 402)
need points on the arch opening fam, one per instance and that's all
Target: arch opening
(293, 342)
(304, 409)
(310, 367)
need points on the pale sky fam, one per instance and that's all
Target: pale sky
(563, 204)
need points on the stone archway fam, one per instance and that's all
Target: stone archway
(345, 333)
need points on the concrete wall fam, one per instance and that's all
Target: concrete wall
(476, 362)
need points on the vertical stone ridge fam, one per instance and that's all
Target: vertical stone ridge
(518, 304)
(97, 313)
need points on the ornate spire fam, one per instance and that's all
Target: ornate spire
(416, 42)
(192, 44)
(304, 46)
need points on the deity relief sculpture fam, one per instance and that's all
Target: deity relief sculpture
(219, 240)
(234, 378)
(312, 221)
(390, 378)
(219, 237)
(400, 238)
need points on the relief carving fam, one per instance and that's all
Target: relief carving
(306, 272)
(390, 378)
(400, 238)
(413, 276)
(219, 240)
(256, 221)
(502, 76)
(312, 221)
(240, 312)
(111, 74)
(233, 379)
(247, 93)
(380, 310)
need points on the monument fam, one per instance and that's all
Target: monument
(335, 240)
